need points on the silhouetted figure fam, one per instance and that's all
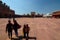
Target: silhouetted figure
(15, 27)
(9, 29)
(26, 29)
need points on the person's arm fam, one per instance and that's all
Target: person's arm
(12, 26)
(6, 27)
(29, 28)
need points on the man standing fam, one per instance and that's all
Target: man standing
(9, 29)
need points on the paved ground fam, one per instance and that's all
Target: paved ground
(41, 28)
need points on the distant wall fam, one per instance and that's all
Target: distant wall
(5, 11)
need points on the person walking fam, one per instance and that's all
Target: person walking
(9, 27)
(15, 27)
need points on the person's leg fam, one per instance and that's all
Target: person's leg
(27, 34)
(16, 33)
(24, 34)
(9, 35)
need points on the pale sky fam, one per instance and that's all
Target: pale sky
(39, 6)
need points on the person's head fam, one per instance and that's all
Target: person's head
(9, 21)
(26, 24)
(13, 18)
(14, 21)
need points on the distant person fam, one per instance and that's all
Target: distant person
(9, 29)
(26, 30)
(16, 26)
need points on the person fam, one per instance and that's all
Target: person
(26, 30)
(15, 27)
(9, 29)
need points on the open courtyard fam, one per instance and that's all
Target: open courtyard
(41, 28)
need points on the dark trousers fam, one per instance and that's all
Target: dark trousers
(10, 34)
(16, 32)
(26, 34)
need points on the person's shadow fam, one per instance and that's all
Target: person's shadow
(22, 37)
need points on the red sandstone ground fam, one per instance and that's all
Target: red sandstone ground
(41, 28)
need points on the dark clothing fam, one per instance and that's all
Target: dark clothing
(15, 27)
(26, 34)
(9, 29)
(26, 30)
(10, 34)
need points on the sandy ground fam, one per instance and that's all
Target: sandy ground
(41, 28)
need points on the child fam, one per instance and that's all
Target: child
(26, 30)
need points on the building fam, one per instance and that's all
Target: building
(56, 14)
(33, 14)
(48, 15)
(5, 11)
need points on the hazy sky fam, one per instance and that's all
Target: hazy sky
(39, 6)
